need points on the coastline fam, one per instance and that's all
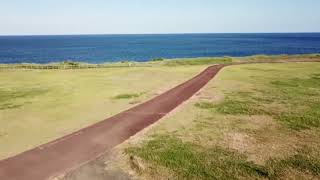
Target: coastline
(166, 62)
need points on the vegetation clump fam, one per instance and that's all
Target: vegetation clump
(70, 63)
(204, 105)
(198, 61)
(157, 59)
(127, 96)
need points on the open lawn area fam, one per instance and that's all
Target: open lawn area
(37, 106)
(253, 121)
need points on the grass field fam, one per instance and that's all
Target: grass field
(254, 121)
(37, 106)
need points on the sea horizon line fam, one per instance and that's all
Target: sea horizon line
(119, 34)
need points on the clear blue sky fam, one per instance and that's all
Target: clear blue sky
(21, 17)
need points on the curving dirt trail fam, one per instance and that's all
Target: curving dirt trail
(63, 154)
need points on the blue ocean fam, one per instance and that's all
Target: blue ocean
(111, 48)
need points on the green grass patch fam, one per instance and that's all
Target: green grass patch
(231, 107)
(290, 93)
(237, 107)
(304, 160)
(204, 105)
(302, 120)
(190, 161)
(9, 97)
(234, 104)
(299, 92)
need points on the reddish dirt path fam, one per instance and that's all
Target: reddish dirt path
(61, 155)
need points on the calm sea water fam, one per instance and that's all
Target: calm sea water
(107, 48)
